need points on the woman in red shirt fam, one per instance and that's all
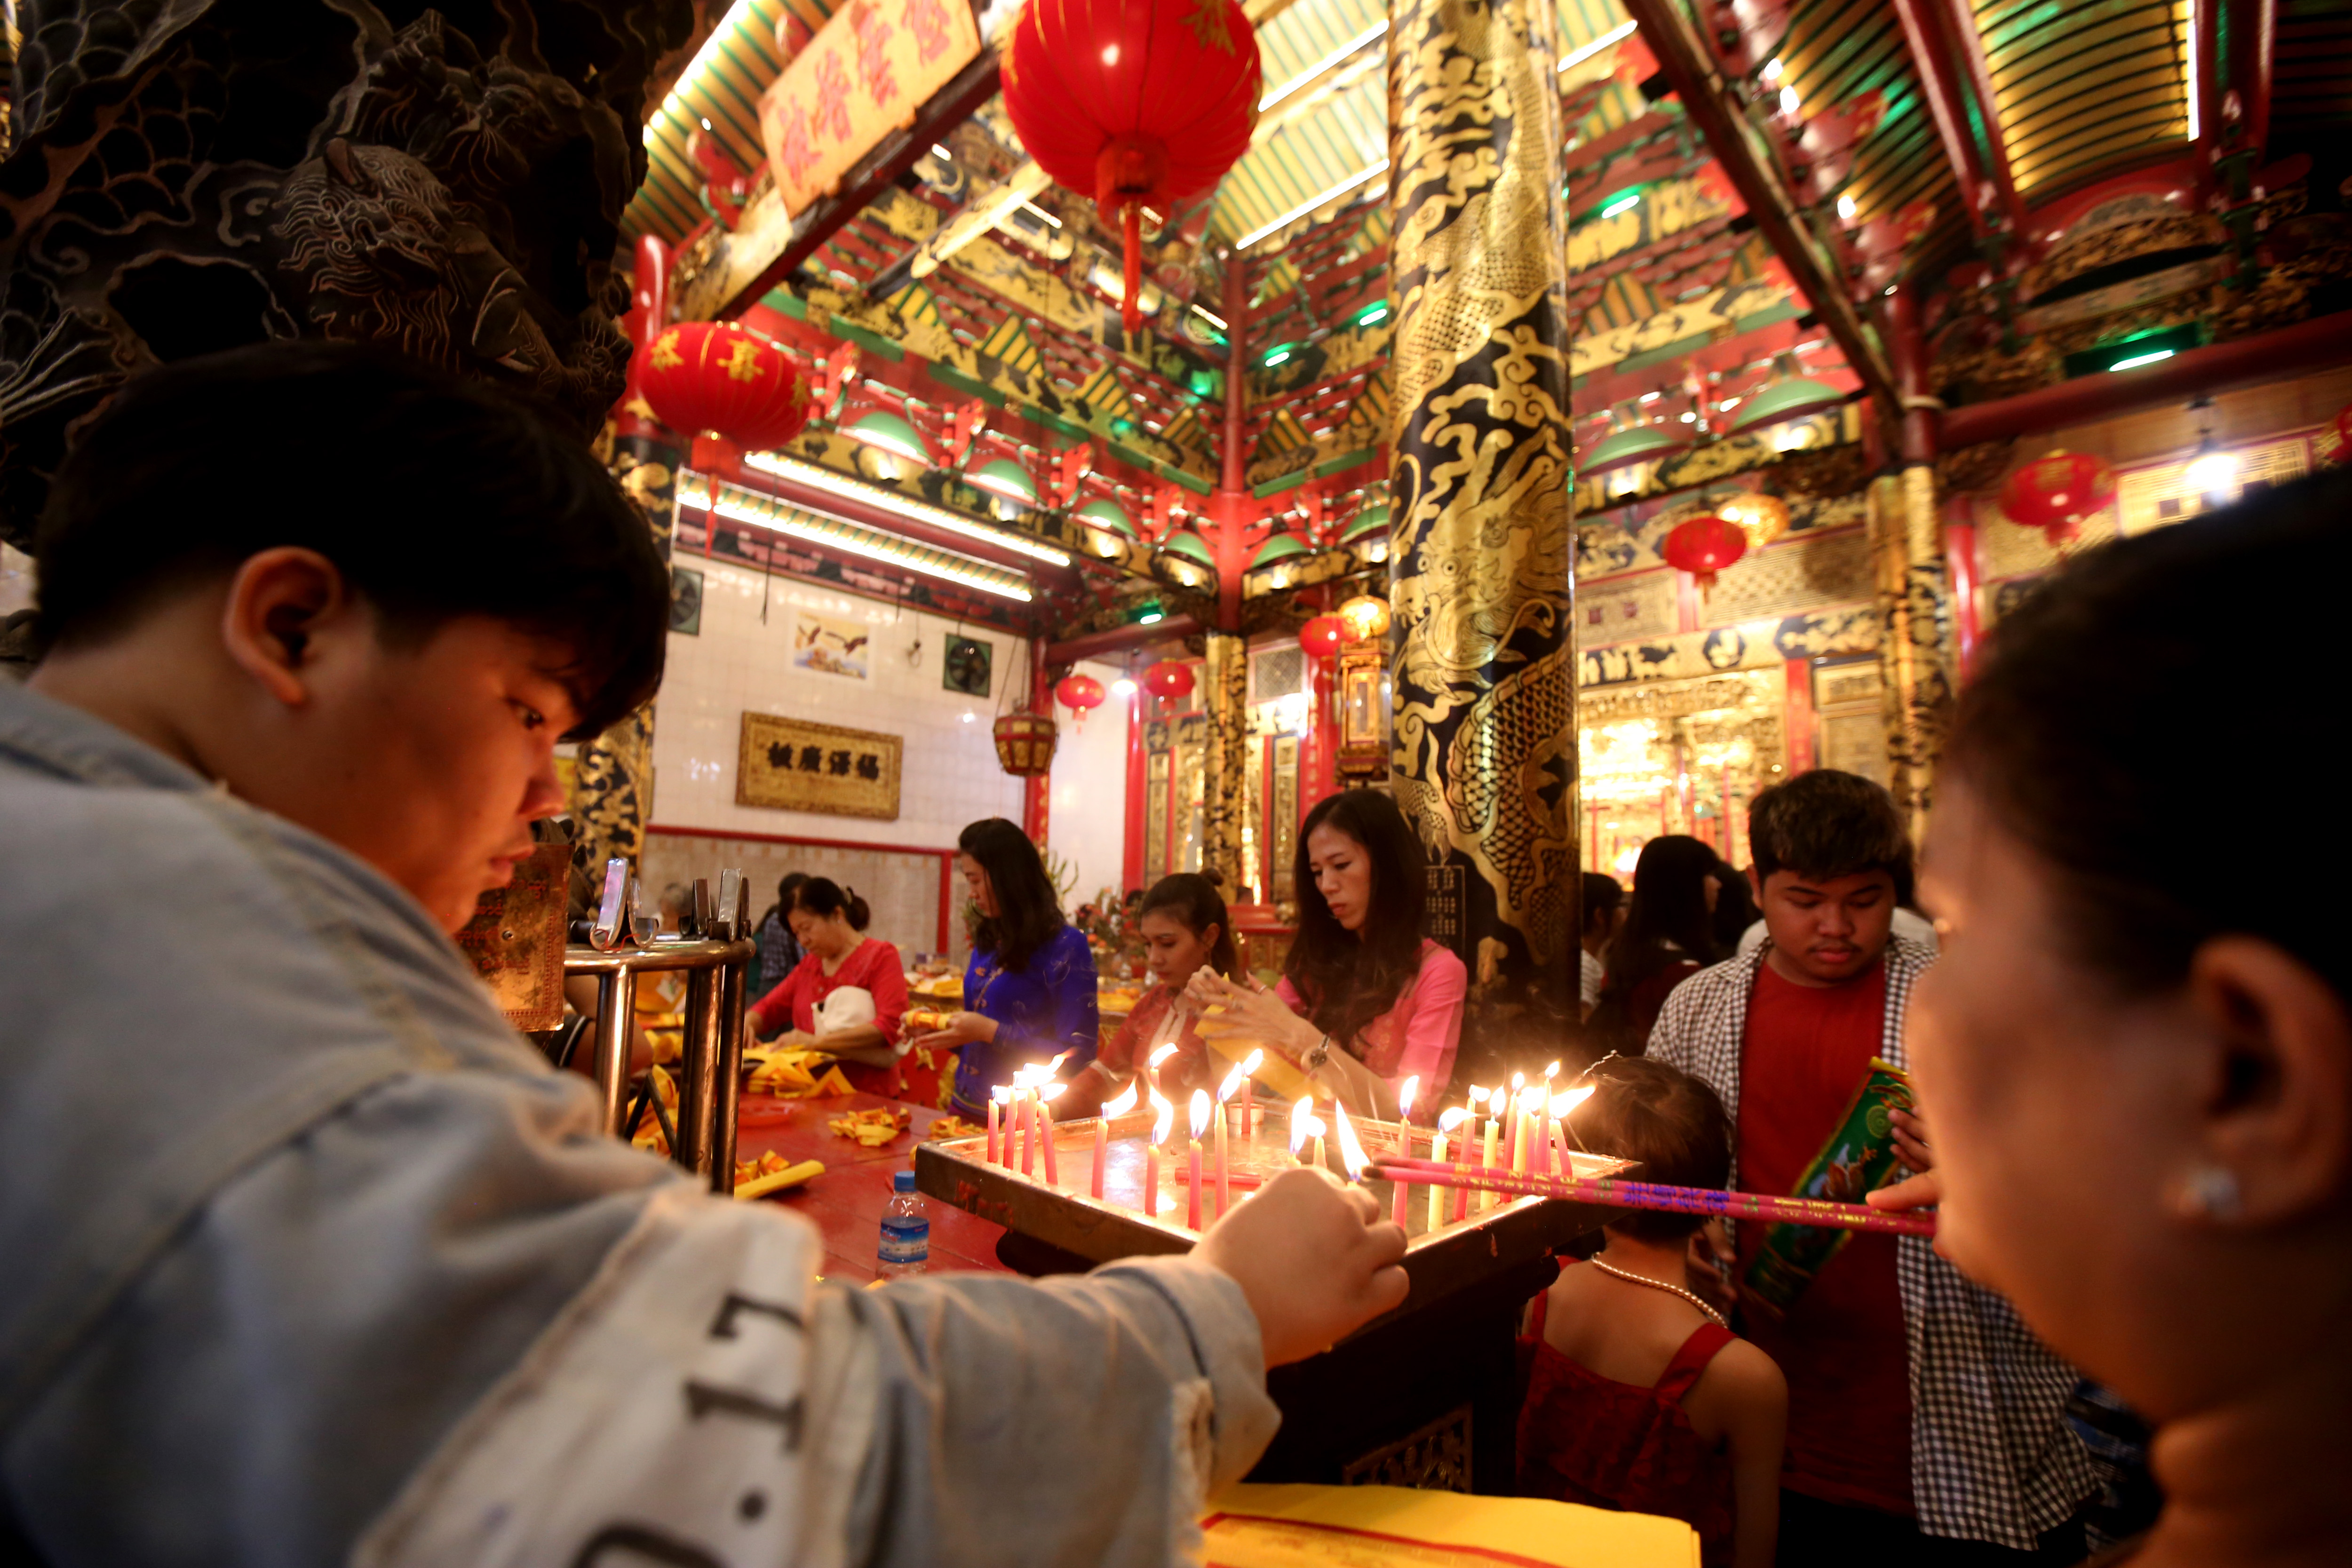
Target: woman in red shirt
(1185, 929)
(826, 920)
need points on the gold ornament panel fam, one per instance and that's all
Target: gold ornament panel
(792, 765)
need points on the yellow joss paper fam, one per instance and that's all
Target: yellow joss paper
(1281, 1080)
(1372, 1527)
(777, 1181)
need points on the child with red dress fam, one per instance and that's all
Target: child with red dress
(1639, 1397)
(1184, 927)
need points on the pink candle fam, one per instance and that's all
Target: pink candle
(1396, 1209)
(1193, 1196)
(1028, 1133)
(1225, 1190)
(1095, 1187)
(1152, 1181)
(991, 1131)
(1112, 1110)
(1249, 1105)
(1046, 1137)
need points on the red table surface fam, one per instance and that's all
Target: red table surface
(846, 1202)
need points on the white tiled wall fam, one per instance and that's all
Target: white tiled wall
(1085, 811)
(948, 775)
(902, 890)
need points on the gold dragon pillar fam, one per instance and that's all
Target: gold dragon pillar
(1225, 791)
(1481, 579)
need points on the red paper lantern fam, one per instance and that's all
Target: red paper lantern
(2344, 433)
(1133, 101)
(1080, 694)
(718, 376)
(1322, 636)
(2056, 492)
(1704, 546)
(1170, 677)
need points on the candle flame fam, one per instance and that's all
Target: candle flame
(1001, 1094)
(1231, 1086)
(1477, 1095)
(1200, 1113)
(1448, 1120)
(1551, 1070)
(1519, 1081)
(1562, 1103)
(1494, 1101)
(1300, 1115)
(1160, 1055)
(1121, 1105)
(1052, 1092)
(1351, 1153)
(1163, 1117)
(1404, 1096)
(1252, 1062)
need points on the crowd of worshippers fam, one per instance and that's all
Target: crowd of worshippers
(350, 1273)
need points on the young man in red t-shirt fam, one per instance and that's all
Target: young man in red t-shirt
(1925, 1423)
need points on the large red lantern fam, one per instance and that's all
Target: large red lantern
(1704, 546)
(2344, 433)
(1170, 678)
(1133, 101)
(1081, 694)
(2056, 492)
(1322, 636)
(718, 376)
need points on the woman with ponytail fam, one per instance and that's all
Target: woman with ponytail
(827, 920)
(1185, 930)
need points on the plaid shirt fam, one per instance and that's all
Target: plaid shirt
(1992, 1457)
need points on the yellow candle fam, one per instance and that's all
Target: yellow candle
(1487, 1200)
(1436, 1193)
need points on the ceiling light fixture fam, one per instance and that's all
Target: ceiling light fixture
(890, 500)
(1789, 101)
(1041, 211)
(699, 491)
(1578, 56)
(2136, 360)
(1312, 202)
(1320, 67)
(1623, 204)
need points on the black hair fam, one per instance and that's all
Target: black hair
(1669, 1121)
(1824, 825)
(823, 897)
(1601, 895)
(1348, 982)
(1195, 902)
(1028, 909)
(782, 906)
(1734, 906)
(435, 498)
(1669, 906)
(2076, 732)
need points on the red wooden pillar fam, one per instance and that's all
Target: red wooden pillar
(1138, 768)
(1801, 715)
(1318, 761)
(1960, 563)
(1036, 792)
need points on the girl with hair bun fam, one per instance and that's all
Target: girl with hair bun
(1185, 930)
(827, 920)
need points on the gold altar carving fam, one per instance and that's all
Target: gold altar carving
(1484, 754)
(1224, 794)
(867, 73)
(791, 764)
(1906, 540)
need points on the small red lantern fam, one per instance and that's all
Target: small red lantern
(718, 376)
(1133, 101)
(1170, 678)
(1704, 546)
(2056, 492)
(1080, 694)
(1024, 745)
(1322, 636)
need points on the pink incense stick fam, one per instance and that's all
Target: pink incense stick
(1656, 1195)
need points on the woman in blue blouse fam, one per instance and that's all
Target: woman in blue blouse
(1029, 990)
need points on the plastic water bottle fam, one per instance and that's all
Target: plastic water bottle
(905, 1231)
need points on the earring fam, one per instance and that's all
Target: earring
(2208, 1192)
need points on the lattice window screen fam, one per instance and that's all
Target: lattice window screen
(1276, 672)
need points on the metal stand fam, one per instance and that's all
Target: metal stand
(710, 1072)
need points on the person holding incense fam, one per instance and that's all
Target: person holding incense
(828, 921)
(1922, 1417)
(1029, 987)
(1639, 1397)
(1184, 927)
(2136, 1049)
(363, 1280)
(1366, 1000)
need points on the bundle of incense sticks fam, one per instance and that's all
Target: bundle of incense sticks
(1654, 1195)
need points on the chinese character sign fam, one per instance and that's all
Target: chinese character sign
(789, 765)
(873, 64)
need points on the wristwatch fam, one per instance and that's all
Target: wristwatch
(1316, 1055)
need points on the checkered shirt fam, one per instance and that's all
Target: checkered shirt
(1992, 1457)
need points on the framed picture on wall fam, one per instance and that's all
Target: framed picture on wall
(790, 764)
(968, 666)
(829, 647)
(686, 601)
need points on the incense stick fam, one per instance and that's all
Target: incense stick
(1654, 1195)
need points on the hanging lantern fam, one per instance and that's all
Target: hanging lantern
(1365, 617)
(2344, 433)
(717, 375)
(1080, 694)
(2056, 492)
(1024, 745)
(1133, 101)
(1761, 518)
(1322, 636)
(1170, 678)
(1704, 546)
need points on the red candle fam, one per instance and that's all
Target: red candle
(1152, 1181)
(996, 1101)
(1046, 1137)
(1028, 1133)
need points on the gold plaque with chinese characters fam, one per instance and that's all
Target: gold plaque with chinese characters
(790, 764)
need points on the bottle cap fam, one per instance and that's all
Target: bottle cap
(902, 1181)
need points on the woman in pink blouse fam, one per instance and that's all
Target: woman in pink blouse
(1366, 1001)
(826, 920)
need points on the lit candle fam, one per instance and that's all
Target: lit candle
(1113, 1109)
(1225, 1091)
(1250, 1065)
(1411, 1086)
(1028, 1114)
(1514, 1128)
(1300, 1115)
(1163, 1115)
(996, 1098)
(1495, 1102)
(1542, 1152)
(1200, 1125)
(1045, 1128)
(1447, 1123)
(1151, 1064)
(1352, 1153)
(1561, 1105)
(1469, 1133)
